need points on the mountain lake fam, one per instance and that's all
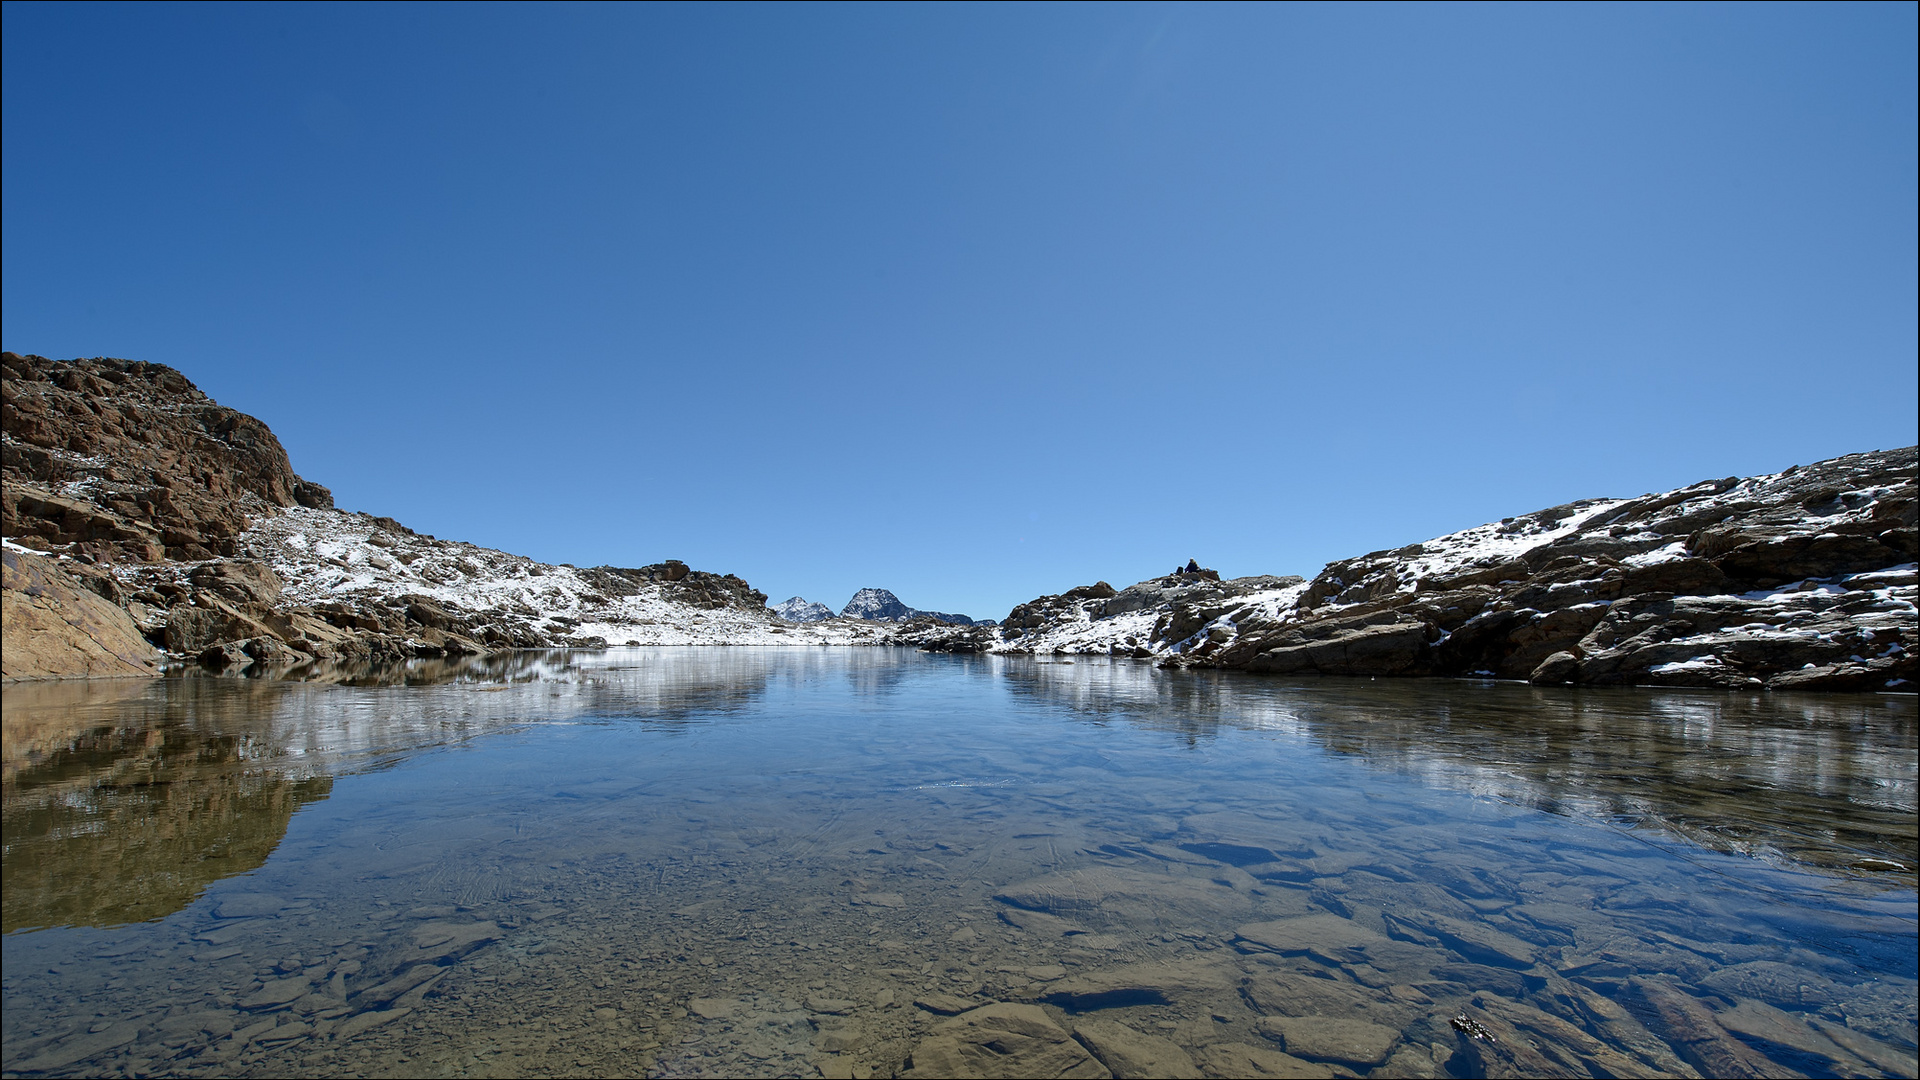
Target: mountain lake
(856, 862)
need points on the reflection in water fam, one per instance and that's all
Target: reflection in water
(756, 862)
(1824, 779)
(123, 800)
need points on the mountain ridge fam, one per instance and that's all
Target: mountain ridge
(880, 605)
(123, 481)
(1802, 579)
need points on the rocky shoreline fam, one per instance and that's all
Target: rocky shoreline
(145, 523)
(1801, 580)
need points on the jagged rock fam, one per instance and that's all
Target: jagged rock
(214, 547)
(162, 465)
(799, 609)
(54, 628)
(1800, 580)
(879, 605)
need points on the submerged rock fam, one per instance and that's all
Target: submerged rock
(1355, 1043)
(1154, 983)
(1128, 1054)
(1003, 1040)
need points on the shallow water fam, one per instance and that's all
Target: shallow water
(688, 862)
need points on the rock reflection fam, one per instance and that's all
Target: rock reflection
(123, 801)
(1822, 780)
(126, 819)
(737, 863)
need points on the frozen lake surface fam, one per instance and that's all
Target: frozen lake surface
(803, 862)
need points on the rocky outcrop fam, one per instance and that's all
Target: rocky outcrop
(58, 625)
(1143, 620)
(125, 461)
(1800, 580)
(186, 519)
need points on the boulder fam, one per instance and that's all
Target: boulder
(53, 628)
(238, 581)
(1787, 581)
(230, 654)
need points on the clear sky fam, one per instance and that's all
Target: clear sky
(979, 302)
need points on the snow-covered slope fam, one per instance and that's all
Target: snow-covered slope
(879, 605)
(1799, 579)
(329, 557)
(1152, 618)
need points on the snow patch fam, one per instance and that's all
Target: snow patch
(328, 556)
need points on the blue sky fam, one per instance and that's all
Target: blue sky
(981, 302)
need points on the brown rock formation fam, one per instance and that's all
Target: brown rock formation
(189, 518)
(55, 628)
(113, 819)
(1800, 580)
(129, 462)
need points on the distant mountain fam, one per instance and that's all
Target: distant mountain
(799, 609)
(879, 605)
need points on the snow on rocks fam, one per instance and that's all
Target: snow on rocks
(1158, 617)
(880, 605)
(1798, 579)
(333, 557)
(800, 609)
